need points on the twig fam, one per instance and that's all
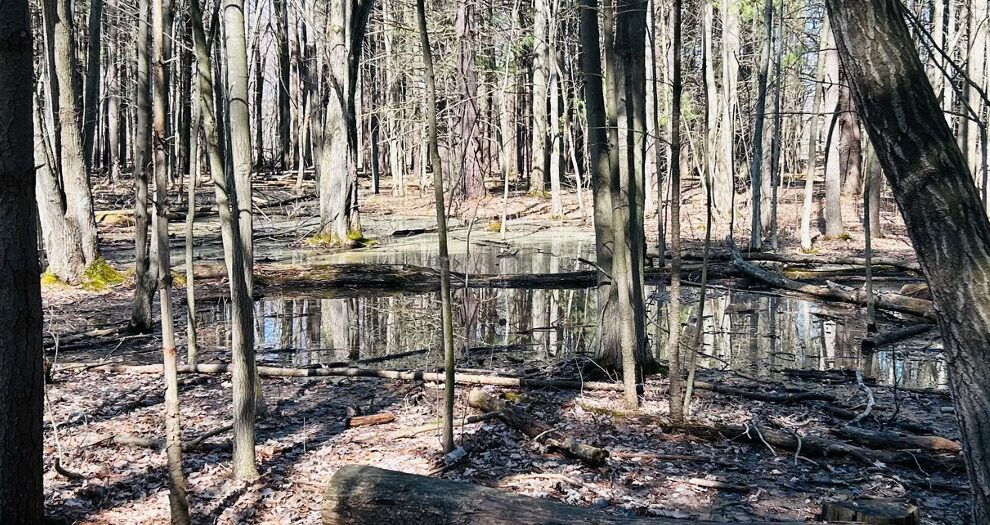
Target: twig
(772, 451)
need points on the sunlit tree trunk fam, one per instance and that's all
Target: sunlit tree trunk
(724, 185)
(809, 180)
(673, 309)
(74, 171)
(938, 199)
(831, 132)
(541, 80)
(242, 312)
(446, 314)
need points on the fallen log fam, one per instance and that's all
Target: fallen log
(807, 259)
(789, 397)
(892, 440)
(870, 511)
(875, 341)
(432, 427)
(358, 494)
(817, 446)
(836, 292)
(370, 420)
(159, 443)
(536, 429)
(406, 375)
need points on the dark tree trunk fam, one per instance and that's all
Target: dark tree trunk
(939, 201)
(284, 69)
(470, 170)
(21, 495)
(145, 281)
(92, 96)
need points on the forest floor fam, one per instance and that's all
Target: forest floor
(654, 469)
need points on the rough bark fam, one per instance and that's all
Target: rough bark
(359, 494)
(756, 230)
(21, 370)
(93, 69)
(673, 309)
(939, 202)
(74, 171)
(60, 233)
(541, 78)
(812, 157)
(468, 169)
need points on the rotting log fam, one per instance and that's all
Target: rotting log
(892, 440)
(872, 511)
(822, 447)
(875, 341)
(835, 292)
(536, 429)
(359, 494)
(406, 375)
(370, 420)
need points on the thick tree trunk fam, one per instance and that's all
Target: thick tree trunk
(809, 178)
(284, 82)
(75, 175)
(60, 232)
(724, 189)
(21, 375)
(940, 204)
(756, 230)
(831, 131)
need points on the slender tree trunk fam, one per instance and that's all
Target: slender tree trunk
(942, 210)
(541, 80)
(145, 281)
(756, 232)
(173, 433)
(91, 104)
(22, 497)
(446, 314)
(673, 309)
(192, 343)
(284, 76)
(242, 312)
(556, 206)
(725, 181)
(809, 180)
(775, 147)
(833, 164)
(467, 121)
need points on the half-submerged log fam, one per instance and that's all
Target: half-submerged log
(358, 494)
(536, 429)
(835, 292)
(872, 512)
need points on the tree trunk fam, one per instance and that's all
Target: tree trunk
(21, 370)
(809, 179)
(235, 44)
(470, 169)
(242, 311)
(940, 204)
(724, 188)
(446, 314)
(833, 129)
(91, 103)
(75, 175)
(673, 309)
(173, 432)
(541, 77)
(756, 231)
(145, 281)
(284, 75)
(60, 232)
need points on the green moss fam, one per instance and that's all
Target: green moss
(494, 226)
(100, 276)
(49, 279)
(844, 237)
(328, 240)
(178, 279)
(603, 411)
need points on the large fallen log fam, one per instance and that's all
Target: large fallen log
(536, 429)
(835, 292)
(358, 495)
(892, 440)
(807, 259)
(822, 447)
(787, 397)
(406, 375)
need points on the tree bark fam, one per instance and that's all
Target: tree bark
(756, 230)
(541, 78)
(91, 103)
(939, 202)
(73, 165)
(145, 281)
(242, 311)
(21, 370)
